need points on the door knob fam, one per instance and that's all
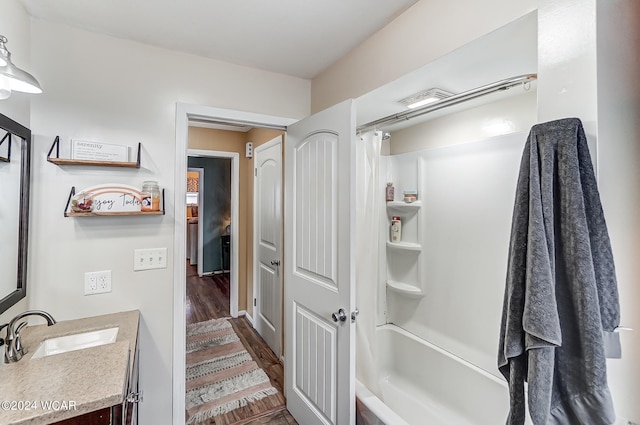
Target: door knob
(340, 316)
(275, 262)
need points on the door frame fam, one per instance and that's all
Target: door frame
(185, 112)
(256, 239)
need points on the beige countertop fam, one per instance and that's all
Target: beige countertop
(57, 387)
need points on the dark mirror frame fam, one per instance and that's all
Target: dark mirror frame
(7, 124)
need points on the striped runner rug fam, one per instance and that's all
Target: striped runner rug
(221, 376)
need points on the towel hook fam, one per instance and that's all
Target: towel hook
(622, 328)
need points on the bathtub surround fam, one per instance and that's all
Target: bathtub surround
(561, 292)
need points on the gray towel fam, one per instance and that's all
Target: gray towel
(561, 294)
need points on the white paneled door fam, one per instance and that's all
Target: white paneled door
(319, 267)
(268, 243)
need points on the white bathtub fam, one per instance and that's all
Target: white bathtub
(422, 384)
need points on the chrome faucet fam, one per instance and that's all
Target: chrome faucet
(14, 349)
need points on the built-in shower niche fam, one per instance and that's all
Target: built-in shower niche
(408, 214)
(403, 257)
(402, 277)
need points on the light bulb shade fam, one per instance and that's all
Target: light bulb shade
(5, 89)
(18, 79)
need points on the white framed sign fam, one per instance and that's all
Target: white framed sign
(95, 151)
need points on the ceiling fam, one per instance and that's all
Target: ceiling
(292, 37)
(301, 39)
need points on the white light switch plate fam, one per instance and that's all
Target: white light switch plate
(152, 258)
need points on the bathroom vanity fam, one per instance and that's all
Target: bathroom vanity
(75, 372)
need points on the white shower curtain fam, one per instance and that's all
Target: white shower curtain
(368, 200)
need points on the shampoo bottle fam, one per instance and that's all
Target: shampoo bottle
(396, 229)
(390, 193)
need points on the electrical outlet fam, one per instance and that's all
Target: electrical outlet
(97, 282)
(153, 258)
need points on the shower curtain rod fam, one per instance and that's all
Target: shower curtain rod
(451, 100)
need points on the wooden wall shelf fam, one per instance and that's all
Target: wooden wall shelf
(91, 163)
(86, 162)
(111, 214)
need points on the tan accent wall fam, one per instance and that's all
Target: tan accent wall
(424, 32)
(234, 141)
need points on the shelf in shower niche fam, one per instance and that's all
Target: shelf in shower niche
(405, 289)
(407, 246)
(404, 205)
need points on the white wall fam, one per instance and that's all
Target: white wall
(618, 109)
(115, 91)
(16, 26)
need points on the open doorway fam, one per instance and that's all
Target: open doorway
(244, 294)
(210, 200)
(212, 228)
(231, 374)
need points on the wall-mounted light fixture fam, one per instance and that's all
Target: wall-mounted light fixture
(424, 98)
(13, 78)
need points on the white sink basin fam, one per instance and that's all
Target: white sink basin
(64, 344)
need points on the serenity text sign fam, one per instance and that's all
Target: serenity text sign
(82, 149)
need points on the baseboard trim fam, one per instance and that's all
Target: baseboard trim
(247, 316)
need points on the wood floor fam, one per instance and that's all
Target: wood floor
(208, 298)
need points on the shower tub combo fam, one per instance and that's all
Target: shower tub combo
(428, 352)
(423, 384)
